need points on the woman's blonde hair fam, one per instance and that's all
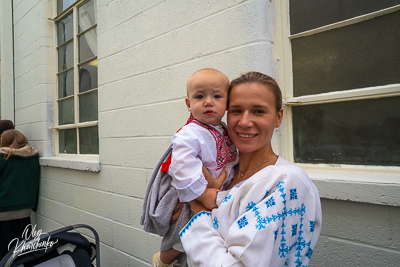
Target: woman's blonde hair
(13, 139)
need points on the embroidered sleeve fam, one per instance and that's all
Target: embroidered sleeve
(281, 229)
(204, 245)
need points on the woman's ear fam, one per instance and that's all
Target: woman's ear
(279, 118)
(187, 103)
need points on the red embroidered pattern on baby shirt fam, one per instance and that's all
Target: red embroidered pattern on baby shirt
(222, 141)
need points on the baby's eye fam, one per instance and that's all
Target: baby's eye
(217, 96)
(198, 97)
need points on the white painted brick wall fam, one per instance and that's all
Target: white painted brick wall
(146, 52)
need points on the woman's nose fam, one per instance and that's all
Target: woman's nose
(245, 121)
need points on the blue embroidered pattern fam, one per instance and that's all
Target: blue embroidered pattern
(275, 234)
(296, 229)
(250, 205)
(312, 226)
(216, 223)
(293, 194)
(309, 253)
(242, 222)
(270, 202)
(191, 221)
(292, 239)
(260, 220)
(227, 198)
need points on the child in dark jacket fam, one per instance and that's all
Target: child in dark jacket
(19, 187)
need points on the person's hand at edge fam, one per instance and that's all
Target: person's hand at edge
(209, 197)
(197, 207)
(214, 182)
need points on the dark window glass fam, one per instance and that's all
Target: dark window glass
(88, 109)
(88, 45)
(66, 111)
(88, 76)
(66, 56)
(363, 132)
(87, 15)
(361, 55)
(66, 84)
(65, 29)
(63, 5)
(310, 14)
(67, 141)
(89, 140)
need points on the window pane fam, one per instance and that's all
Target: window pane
(67, 141)
(89, 140)
(88, 76)
(88, 110)
(363, 132)
(66, 56)
(310, 14)
(361, 55)
(87, 15)
(66, 111)
(65, 29)
(66, 84)
(88, 45)
(63, 5)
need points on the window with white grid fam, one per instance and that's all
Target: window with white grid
(77, 82)
(339, 67)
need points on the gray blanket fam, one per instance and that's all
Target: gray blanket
(159, 203)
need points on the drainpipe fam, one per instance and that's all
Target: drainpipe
(7, 61)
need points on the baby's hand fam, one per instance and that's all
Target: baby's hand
(209, 197)
(214, 182)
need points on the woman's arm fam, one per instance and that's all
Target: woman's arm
(203, 244)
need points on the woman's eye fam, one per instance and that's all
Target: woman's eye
(234, 111)
(259, 111)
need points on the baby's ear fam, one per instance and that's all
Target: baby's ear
(187, 103)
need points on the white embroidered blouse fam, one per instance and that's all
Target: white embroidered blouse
(271, 219)
(192, 147)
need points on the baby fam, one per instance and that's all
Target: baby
(203, 140)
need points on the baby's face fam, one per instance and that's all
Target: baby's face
(207, 97)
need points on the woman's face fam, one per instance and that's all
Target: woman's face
(252, 117)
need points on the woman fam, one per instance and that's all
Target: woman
(19, 187)
(270, 215)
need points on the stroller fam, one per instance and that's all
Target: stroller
(59, 248)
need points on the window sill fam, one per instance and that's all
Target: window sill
(74, 163)
(373, 186)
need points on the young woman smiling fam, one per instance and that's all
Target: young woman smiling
(270, 214)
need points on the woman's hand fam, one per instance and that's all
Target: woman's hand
(214, 182)
(208, 198)
(196, 206)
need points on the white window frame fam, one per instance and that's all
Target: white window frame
(327, 173)
(74, 7)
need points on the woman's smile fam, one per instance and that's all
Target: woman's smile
(246, 136)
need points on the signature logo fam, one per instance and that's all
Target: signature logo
(30, 241)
